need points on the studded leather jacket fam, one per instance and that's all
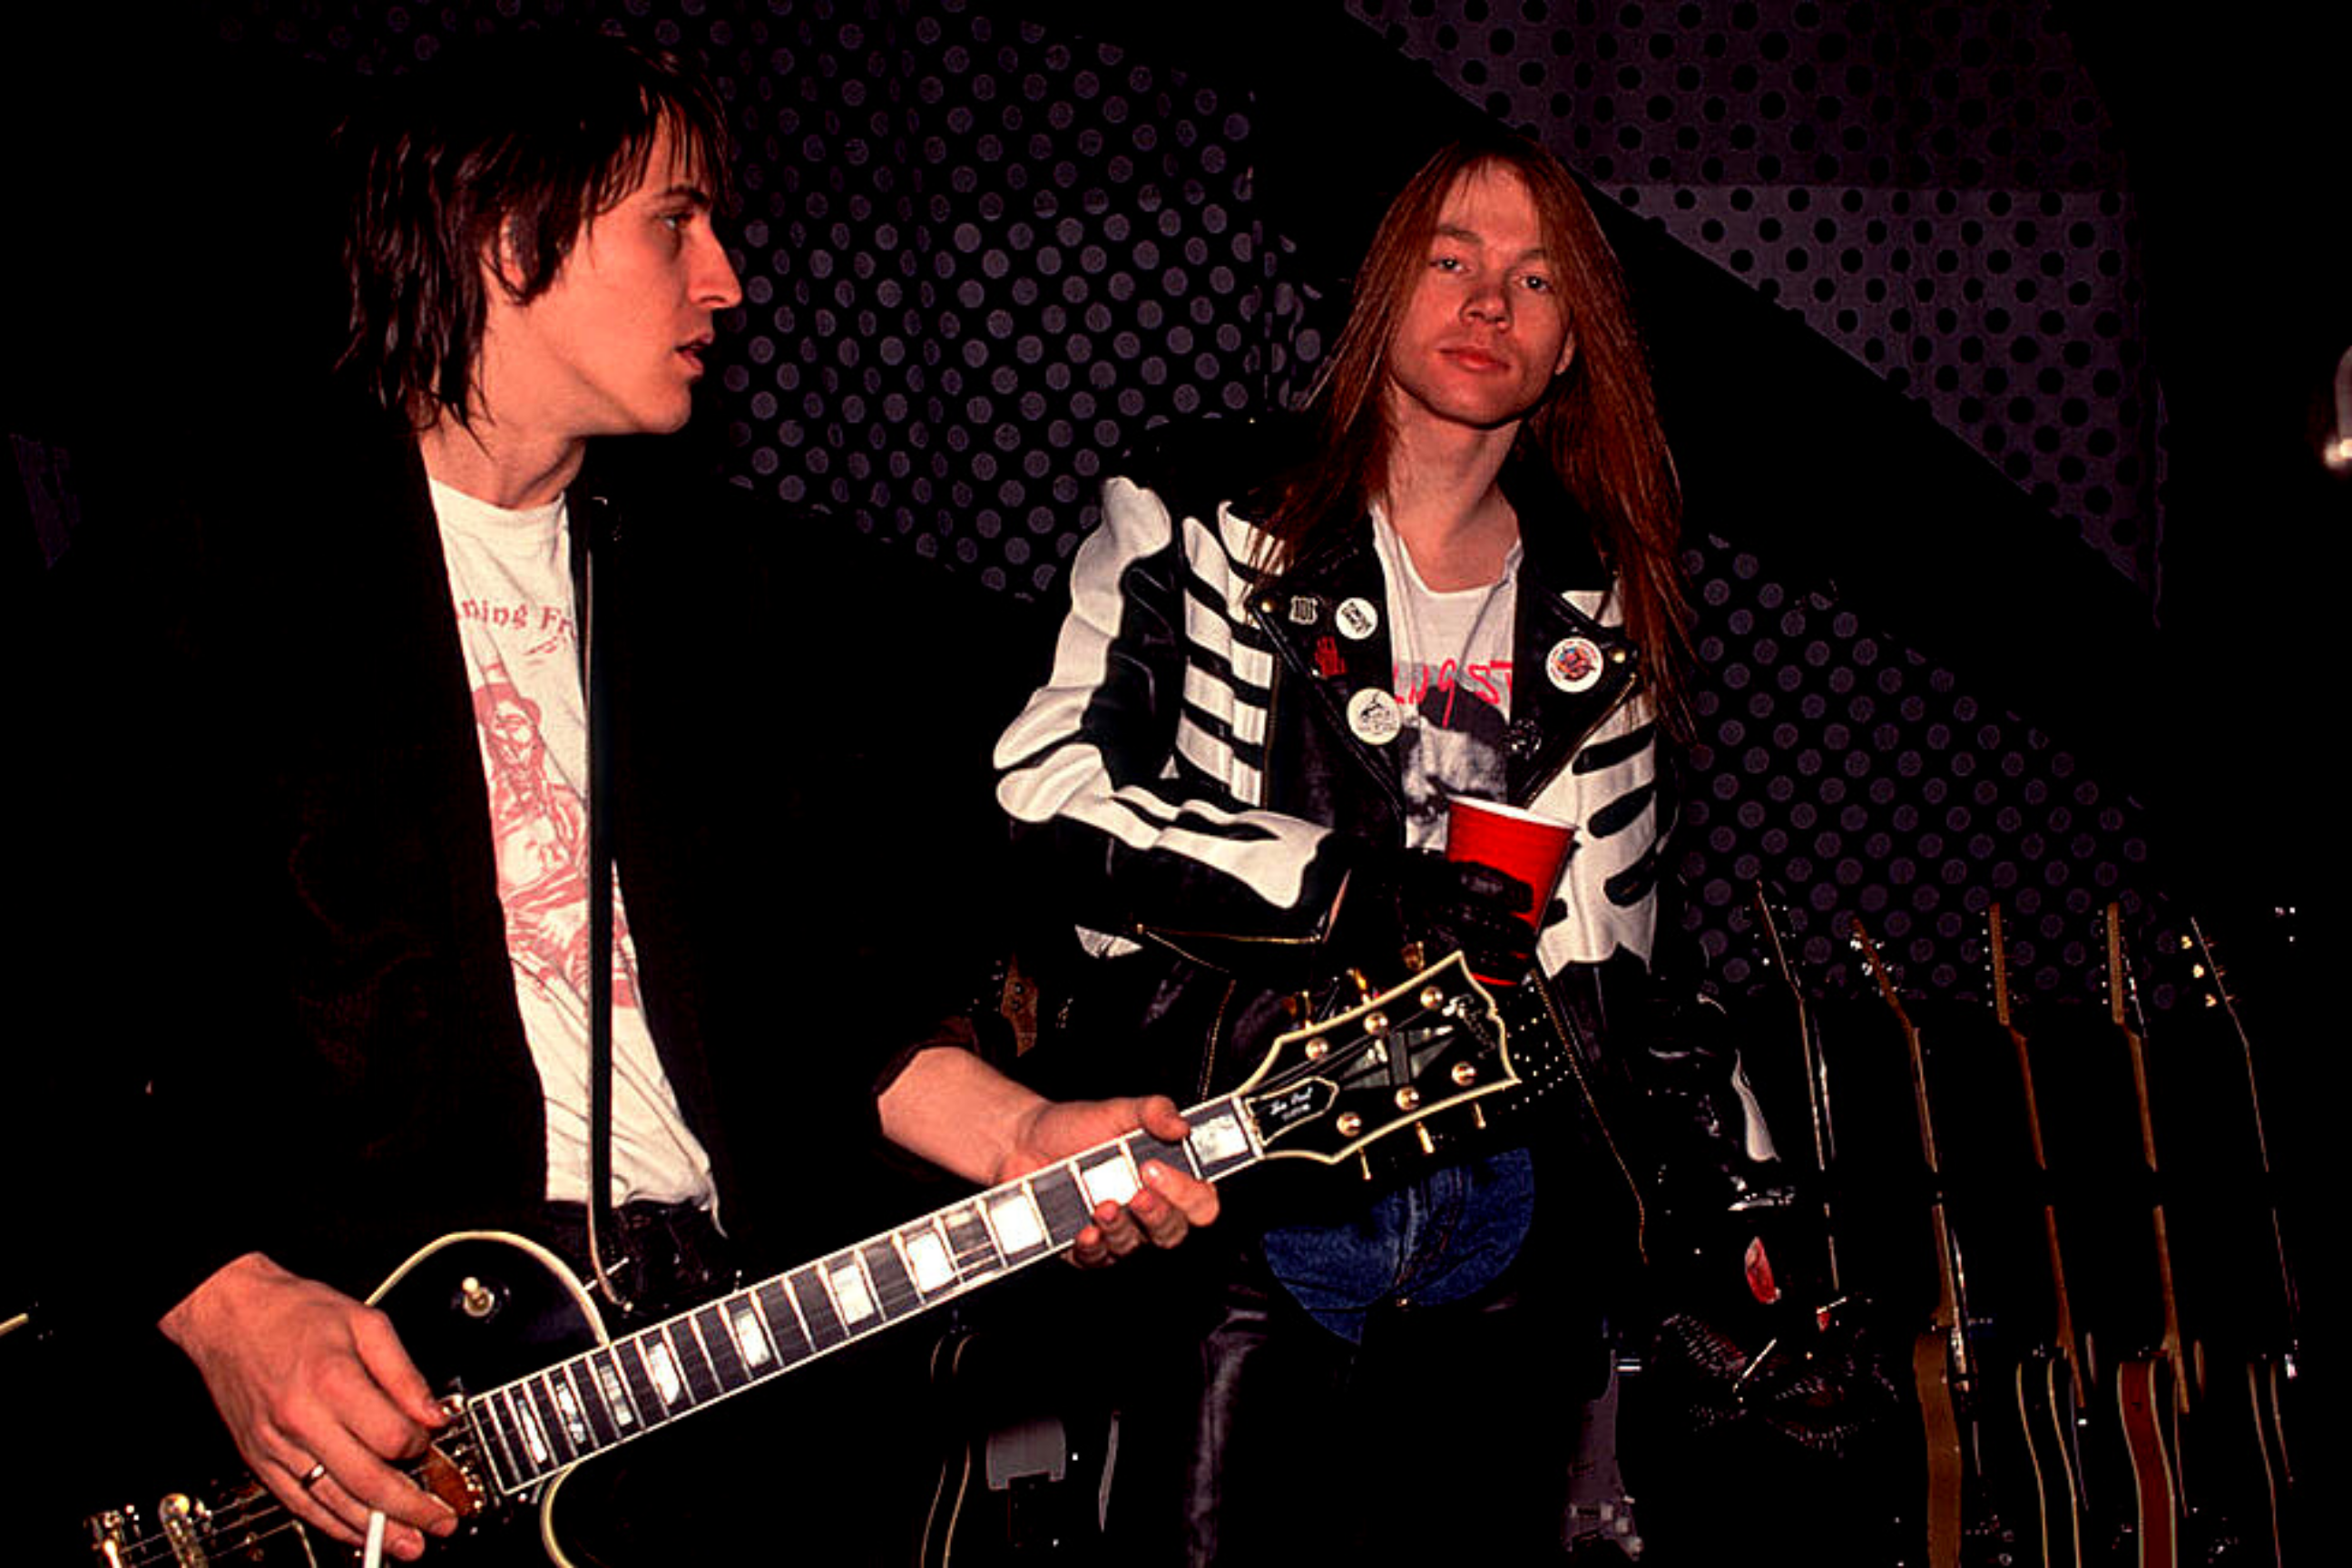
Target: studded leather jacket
(1209, 764)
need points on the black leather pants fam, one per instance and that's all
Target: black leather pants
(1444, 1437)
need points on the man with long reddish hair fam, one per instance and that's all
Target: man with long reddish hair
(1285, 652)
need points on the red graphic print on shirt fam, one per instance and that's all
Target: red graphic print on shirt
(540, 831)
(1488, 681)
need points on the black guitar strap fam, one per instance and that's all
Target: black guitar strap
(594, 532)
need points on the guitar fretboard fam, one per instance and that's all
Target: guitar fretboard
(531, 1429)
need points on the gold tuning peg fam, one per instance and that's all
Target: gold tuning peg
(1421, 1133)
(1364, 1165)
(1414, 957)
(1364, 986)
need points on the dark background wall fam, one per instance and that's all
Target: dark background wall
(1994, 341)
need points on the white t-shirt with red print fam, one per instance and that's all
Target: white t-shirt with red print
(510, 579)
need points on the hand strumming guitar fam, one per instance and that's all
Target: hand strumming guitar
(319, 1397)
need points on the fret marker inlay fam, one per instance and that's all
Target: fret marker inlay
(616, 1395)
(1018, 1228)
(928, 1260)
(1111, 1178)
(749, 1339)
(667, 1377)
(533, 1438)
(576, 1425)
(1219, 1138)
(849, 1289)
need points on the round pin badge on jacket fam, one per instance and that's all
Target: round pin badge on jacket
(1573, 664)
(1374, 716)
(1357, 619)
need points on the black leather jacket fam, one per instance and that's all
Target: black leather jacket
(1190, 787)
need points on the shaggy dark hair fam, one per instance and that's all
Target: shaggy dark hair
(502, 153)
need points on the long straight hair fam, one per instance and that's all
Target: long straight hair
(1596, 426)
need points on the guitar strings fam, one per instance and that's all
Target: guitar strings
(225, 1530)
(257, 1517)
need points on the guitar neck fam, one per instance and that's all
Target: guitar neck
(2209, 971)
(1952, 1305)
(1433, 1046)
(1997, 942)
(536, 1426)
(2120, 1001)
(1768, 921)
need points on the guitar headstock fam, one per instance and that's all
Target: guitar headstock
(2201, 963)
(1393, 1059)
(1877, 965)
(2121, 984)
(1774, 930)
(1997, 962)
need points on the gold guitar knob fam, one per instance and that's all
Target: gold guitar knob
(1464, 1074)
(476, 1299)
(1350, 1124)
(1408, 1099)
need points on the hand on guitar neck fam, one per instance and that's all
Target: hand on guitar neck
(961, 1114)
(1421, 1056)
(1162, 1211)
(305, 1376)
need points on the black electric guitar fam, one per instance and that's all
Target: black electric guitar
(2274, 1368)
(536, 1385)
(2238, 1299)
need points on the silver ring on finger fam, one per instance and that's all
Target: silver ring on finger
(314, 1475)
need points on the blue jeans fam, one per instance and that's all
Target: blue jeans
(1444, 1237)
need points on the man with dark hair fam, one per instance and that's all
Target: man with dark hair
(1283, 657)
(394, 677)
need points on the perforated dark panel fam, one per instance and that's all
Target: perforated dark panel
(980, 261)
(1936, 187)
(982, 255)
(1849, 772)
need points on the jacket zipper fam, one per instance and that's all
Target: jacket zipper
(1209, 1057)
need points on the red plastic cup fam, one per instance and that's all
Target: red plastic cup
(1532, 848)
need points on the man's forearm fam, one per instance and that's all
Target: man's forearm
(957, 1111)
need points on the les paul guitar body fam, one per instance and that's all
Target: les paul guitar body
(536, 1385)
(474, 1309)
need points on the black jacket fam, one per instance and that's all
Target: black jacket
(1191, 786)
(338, 1066)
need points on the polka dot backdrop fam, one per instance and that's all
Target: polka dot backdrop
(1936, 187)
(980, 262)
(981, 256)
(1853, 777)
